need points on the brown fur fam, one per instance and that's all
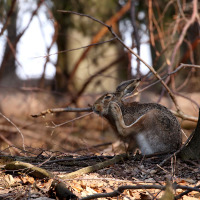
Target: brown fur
(150, 127)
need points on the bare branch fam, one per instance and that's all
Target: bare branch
(68, 50)
(89, 109)
(112, 64)
(187, 25)
(99, 35)
(184, 193)
(121, 189)
(58, 110)
(132, 52)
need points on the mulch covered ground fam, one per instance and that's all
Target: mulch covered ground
(136, 171)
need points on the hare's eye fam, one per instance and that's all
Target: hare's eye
(107, 97)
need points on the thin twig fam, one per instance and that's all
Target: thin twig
(113, 20)
(10, 144)
(64, 123)
(104, 69)
(187, 25)
(178, 114)
(22, 136)
(68, 50)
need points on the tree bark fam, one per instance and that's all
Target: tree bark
(191, 151)
(7, 69)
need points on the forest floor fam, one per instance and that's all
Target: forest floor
(143, 172)
(64, 148)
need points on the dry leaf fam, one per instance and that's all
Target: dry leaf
(9, 179)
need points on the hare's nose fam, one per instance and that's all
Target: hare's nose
(97, 108)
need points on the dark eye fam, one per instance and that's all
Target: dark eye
(107, 97)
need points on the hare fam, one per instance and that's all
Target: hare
(150, 127)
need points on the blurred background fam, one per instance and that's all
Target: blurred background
(47, 60)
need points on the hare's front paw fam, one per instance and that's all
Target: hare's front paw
(115, 109)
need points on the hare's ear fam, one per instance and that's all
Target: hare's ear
(127, 88)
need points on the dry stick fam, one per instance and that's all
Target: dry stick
(184, 193)
(83, 158)
(58, 110)
(95, 167)
(121, 189)
(165, 10)
(129, 49)
(60, 187)
(22, 136)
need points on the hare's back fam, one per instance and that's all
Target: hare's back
(159, 126)
(135, 110)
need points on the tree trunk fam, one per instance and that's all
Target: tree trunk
(8, 75)
(192, 150)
